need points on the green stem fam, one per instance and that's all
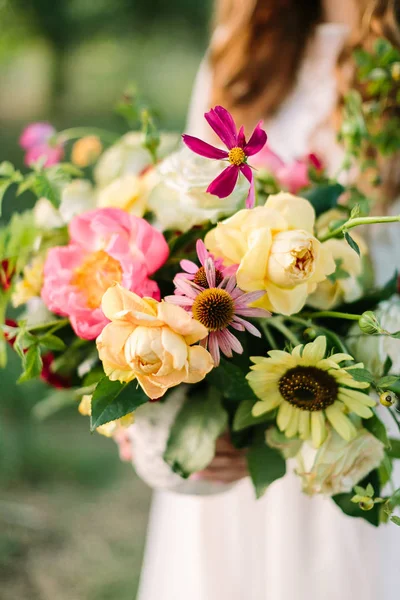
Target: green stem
(77, 132)
(277, 323)
(331, 314)
(268, 335)
(53, 325)
(356, 223)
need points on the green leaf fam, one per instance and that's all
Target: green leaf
(352, 243)
(52, 342)
(243, 417)
(265, 464)
(324, 197)
(4, 185)
(231, 380)
(198, 425)
(385, 470)
(369, 490)
(112, 400)
(360, 491)
(339, 273)
(375, 426)
(361, 375)
(388, 365)
(394, 499)
(395, 520)
(344, 501)
(394, 450)
(33, 364)
(386, 382)
(43, 188)
(6, 169)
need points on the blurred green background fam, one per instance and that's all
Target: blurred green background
(72, 517)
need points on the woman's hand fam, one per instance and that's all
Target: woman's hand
(228, 465)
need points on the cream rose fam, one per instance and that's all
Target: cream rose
(276, 251)
(152, 342)
(180, 201)
(339, 465)
(129, 157)
(347, 286)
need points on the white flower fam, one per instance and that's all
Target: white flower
(373, 350)
(339, 465)
(77, 197)
(180, 201)
(129, 192)
(129, 157)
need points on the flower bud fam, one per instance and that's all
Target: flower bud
(395, 71)
(366, 503)
(387, 398)
(368, 323)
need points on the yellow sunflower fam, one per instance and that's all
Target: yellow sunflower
(309, 389)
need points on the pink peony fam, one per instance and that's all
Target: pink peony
(35, 139)
(291, 176)
(107, 246)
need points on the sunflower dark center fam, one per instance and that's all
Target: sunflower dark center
(214, 308)
(201, 278)
(308, 388)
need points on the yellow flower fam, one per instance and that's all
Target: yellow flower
(345, 287)
(152, 342)
(129, 193)
(339, 465)
(108, 429)
(276, 251)
(31, 283)
(308, 389)
(86, 150)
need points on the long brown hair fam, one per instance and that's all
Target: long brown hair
(258, 45)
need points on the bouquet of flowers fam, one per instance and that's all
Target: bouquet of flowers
(145, 267)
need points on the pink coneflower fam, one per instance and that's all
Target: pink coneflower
(221, 121)
(193, 272)
(218, 306)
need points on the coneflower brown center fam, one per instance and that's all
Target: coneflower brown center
(201, 279)
(214, 308)
(308, 388)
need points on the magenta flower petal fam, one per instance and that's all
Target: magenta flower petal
(202, 148)
(251, 196)
(223, 185)
(256, 142)
(35, 134)
(223, 124)
(241, 139)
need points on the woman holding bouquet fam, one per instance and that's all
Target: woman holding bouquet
(287, 62)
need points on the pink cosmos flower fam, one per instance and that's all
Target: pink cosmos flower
(107, 246)
(218, 305)
(35, 139)
(291, 176)
(239, 150)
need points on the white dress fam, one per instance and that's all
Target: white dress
(286, 546)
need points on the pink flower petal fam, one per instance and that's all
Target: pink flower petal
(256, 142)
(237, 326)
(36, 134)
(229, 340)
(213, 347)
(202, 251)
(221, 121)
(252, 312)
(224, 184)
(248, 298)
(251, 197)
(268, 159)
(246, 325)
(210, 272)
(204, 149)
(189, 266)
(184, 287)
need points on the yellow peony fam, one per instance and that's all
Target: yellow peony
(276, 250)
(152, 342)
